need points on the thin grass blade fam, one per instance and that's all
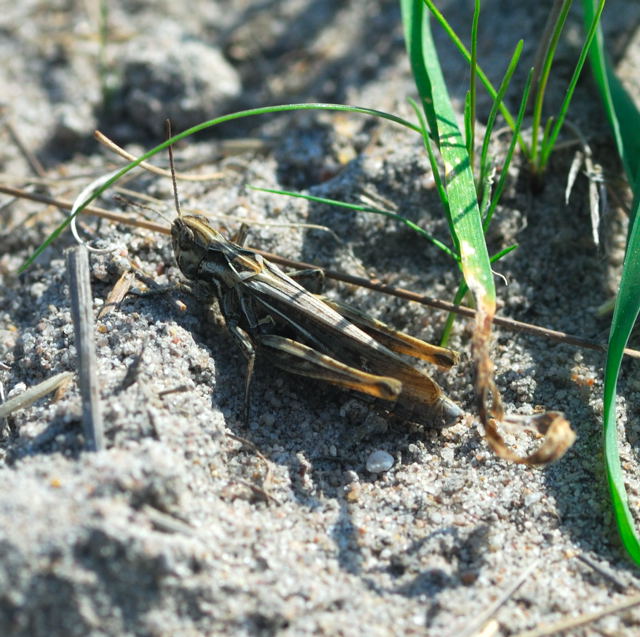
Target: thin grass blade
(428, 146)
(362, 208)
(493, 114)
(502, 181)
(547, 149)
(200, 127)
(541, 85)
(473, 66)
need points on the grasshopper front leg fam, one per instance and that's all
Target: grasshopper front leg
(231, 306)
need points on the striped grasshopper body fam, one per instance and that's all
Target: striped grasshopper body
(271, 314)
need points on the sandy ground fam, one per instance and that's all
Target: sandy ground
(192, 522)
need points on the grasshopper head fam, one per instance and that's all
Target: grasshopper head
(193, 239)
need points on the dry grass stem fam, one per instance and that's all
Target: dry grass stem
(29, 396)
(156, 170)
(507, 323)
(582, 620)
(84, 330)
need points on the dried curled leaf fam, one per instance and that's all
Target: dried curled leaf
(557, 432)
(552, 425)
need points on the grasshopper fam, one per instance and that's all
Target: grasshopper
(271, 313)
(268, 312)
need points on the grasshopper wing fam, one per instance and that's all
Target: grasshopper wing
(395, 340)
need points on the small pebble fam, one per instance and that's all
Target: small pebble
(350, 476)
(379, 462)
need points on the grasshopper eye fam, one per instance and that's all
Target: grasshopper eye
(187, 235)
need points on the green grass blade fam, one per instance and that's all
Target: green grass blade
(412, 18)
(545, 152)
(466, 223)
(624, 118)
(472, 84)
(481, 74)
(624, 317)
(544, 78)
(428, 145)
(622, 113)
(547, 131)
(469, 125)
(463, 288)
(485, 187)
(208, 124)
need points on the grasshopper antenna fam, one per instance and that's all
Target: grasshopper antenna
(173, 170)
